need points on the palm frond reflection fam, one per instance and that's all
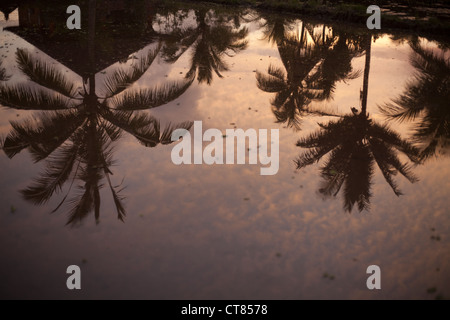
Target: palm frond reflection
(75, 130)
(425, 101)
(314, 61)
(355, 144)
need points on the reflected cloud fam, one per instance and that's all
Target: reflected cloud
(197, 231)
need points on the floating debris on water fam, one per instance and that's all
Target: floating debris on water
(328, 276)
(431, 290)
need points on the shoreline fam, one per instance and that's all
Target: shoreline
(351, 13)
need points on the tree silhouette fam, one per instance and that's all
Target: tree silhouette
(425, 101)
(85, 155)
(76, 129)
(210, 40)
(355, 143)
(314, 62)
(276, 28)
(338, 52)
(296, 86)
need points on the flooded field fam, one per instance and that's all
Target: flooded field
(88, 177)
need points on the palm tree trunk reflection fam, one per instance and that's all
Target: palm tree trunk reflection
(75, 130)
(354, 144)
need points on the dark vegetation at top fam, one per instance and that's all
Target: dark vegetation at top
(422, 16)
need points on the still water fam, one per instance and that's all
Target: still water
(87, 177)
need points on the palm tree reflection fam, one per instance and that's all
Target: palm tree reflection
(426, 101)
(355, 143)
(276, 28)
(76, 129)
(210, 40)
(296, 87)
(314, 63)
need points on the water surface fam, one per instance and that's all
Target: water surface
(363, 122)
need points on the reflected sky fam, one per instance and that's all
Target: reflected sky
(225, 232)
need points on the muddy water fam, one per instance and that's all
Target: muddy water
(367, 184)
